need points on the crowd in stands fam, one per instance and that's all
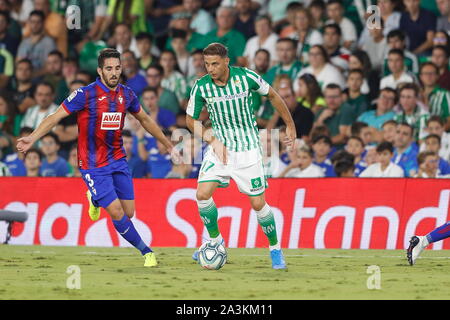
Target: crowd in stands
(367, 87)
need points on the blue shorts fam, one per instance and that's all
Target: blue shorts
(109, 183)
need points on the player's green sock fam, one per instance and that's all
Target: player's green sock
(267, 222)
(208, 213)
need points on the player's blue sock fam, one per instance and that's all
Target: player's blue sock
(127, 230)
(440, 233)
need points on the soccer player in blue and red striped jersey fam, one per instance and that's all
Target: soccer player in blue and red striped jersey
(101, 108)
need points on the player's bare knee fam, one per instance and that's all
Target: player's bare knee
(258, 203)
(115, 211)
(203, 195)
(130, 214)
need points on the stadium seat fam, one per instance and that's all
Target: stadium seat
(10, 217)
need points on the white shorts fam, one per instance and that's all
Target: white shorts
(245, 168)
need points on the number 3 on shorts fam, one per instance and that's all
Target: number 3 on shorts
(90, 183)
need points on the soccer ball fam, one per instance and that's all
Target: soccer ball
(212, 255)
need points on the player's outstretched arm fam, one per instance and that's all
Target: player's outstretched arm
(25, 143)
(283, 111)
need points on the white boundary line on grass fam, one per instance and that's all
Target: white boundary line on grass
(244, 255)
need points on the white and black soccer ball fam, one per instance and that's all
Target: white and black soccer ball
(212, 255)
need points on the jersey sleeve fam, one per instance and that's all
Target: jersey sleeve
(76, 101)
(134, 106)
(196, 102)
(256, 82)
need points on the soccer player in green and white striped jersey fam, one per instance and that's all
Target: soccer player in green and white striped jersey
(234, 146)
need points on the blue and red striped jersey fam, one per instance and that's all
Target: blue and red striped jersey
(100, 117)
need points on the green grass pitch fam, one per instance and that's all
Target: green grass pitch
(40, 272)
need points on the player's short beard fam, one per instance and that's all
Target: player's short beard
(108, 83)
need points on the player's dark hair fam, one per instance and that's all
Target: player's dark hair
(436, 118)
(334, 26)
(216, 49)
(433, 136)
(356, 127)
(324, 139)
(385, 146)
(35, 150)
(53, 136)
(343, 166)
(107, 53)
(38, 13)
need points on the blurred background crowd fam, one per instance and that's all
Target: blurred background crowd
(368, 91)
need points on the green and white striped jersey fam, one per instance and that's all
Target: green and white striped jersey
(439, 102)
(230, 107)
